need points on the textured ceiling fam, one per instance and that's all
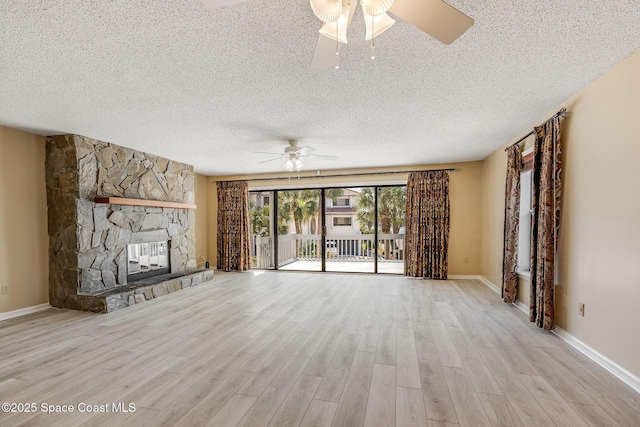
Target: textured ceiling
(211, 87)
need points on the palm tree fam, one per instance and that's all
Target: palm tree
(365, 210)
(333, 193)
(301, 207)
(284, 219)
(297, 206)
(289, 210)
(310, 205)
(260, 221)
(391, 211)
(313, 209)
(394, 202)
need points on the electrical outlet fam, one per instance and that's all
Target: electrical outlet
(565, 302)
(466, 260)
(5, 289)
(581, 309)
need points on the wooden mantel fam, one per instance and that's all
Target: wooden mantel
(140, 202)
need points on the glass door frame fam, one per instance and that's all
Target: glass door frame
(323, 230)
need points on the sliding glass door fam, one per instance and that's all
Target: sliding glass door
(350, 234)
(391, 207)
(262, 235)
(346, 229)
(299, 230)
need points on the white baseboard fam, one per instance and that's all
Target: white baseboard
(495, 288)
(473, 277)
(605, 362)
(23, 311)
(523, 307)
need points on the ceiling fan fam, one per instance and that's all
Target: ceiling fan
(293, 155)
(435, 17)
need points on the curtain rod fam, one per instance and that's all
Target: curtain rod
(342, 175)
(559, 113)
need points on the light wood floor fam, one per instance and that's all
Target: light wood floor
(305, 349)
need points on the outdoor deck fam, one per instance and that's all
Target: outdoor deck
(348, 253)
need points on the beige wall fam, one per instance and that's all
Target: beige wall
(202, 225)
(464, 241)
(599, 250)
(492, 215)
(24, 240)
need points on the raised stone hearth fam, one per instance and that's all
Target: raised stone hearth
(144, 290)
(88, 240)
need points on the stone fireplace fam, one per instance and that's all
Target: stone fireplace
(105, 202)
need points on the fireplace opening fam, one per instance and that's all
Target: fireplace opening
(146, 260)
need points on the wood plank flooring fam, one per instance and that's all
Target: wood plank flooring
(307, 349)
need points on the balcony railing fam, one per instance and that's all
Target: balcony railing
(343, 248)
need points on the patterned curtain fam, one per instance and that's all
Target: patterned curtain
(234, 239)
(511, 222)
(545, 222)
(427, 229)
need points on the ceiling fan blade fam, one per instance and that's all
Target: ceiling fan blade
(435, 17)
(305, 150)
(215, 4)
(324, 56)
(322, 157)
(271, 160)
(267, 152)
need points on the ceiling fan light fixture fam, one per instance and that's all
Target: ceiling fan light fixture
(327, 10)
(376, 7)
(288, 165)
(376, 25)
(337, 30)
(293, 164)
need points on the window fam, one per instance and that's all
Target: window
(526, 216)
(342, 201)
(265, 201)
(524, 235)
(341, 221)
